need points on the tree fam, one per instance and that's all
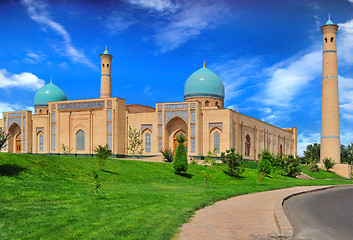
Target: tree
(233, 160)
(207, 163)
(329, 163)
(135, 141)
(3, 139)
(97, 184)
(290, 166)
(180, 159)
(347, 153)
(102, 153)
(312, 152)
(265, 165)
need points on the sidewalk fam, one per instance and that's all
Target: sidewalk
(251, 216)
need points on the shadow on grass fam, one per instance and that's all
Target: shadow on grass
(108, 171)
(187, 175)
(10, 170)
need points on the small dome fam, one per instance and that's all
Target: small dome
(48, 93)
(204, 83)
(329, 22)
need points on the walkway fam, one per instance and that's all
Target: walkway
(249, 216)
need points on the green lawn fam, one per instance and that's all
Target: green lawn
(321, 174)
(51, 197)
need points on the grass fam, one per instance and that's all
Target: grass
(51, 197)
(321, 174)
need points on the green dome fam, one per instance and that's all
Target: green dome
(48, 93)
(204, 83)
(329, 22)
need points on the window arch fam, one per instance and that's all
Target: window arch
(325, 39)
(216, 104)
(108, 65)
(148, 142)
(40, 111)
(80, 140)
(103, 64)
(207, 103)
(217, 141)
(281, 148)
(40, 142)
(247, 145)
(331, 39)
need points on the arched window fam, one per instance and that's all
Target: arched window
(107, 65)
(41, 142)
(207, 103)
(325, 39)
(148, 142)
(216, 104)
(40, 111)
(281, 148)
(47, 111)
(217, 141)
(53, 117)
(80, 140)
(247, 145)
(103, 64)
(331, 39)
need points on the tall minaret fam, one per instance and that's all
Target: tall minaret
(330, 122)
(106, 85)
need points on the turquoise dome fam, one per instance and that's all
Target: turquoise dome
(329, 22)
(204, 83)
(48, 93)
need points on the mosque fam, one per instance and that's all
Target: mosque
(81, 125)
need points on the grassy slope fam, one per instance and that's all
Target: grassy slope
(51, 197)
(321, 174)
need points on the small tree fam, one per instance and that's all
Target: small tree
(290, 166)
(103, 152)
(180, 159)
(135, 141)
(209, 160)
(65, 149)
(265, 165)
(3, 139)
(233, 160)
(168, 154)
(97, 184)
(329, 163)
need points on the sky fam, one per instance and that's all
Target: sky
(267, 53)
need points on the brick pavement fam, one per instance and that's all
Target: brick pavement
(244, 217)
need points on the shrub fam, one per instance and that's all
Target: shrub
(329, 163)
(290, 166)
(168, 154)
(209, 160)
(65, 149)
(3, 139)
(180, 159)
(103, 152)
(313, 165)
(265, 165)
(233, 160)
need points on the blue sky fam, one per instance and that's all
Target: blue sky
(268, 53)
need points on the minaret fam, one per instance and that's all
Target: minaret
(330, 124)
(106, 86)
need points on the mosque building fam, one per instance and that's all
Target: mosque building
(81, 125)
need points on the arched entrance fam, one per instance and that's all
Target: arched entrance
(176, 142)
(174, 127)
(14, 142)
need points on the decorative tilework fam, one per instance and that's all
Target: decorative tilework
(159, 131)
(192, 130)
(53, 117)
(159, 144)
(110, 141)
(81, 105)
(53, 130)
(144, 126)
(217, 124)
(160, 117)
(192, 105)
(109, 129)
(330, 51)
(160, 107)
(335, 77)
(24, 122)
(24, 134)
(15, 120)
(14, 114)
(52, 142)
(217, 141)
(192, 115)
(148, 142)
(38, 129)
(192, 145)
(109, 115)
(182, 114)
(24, 145)
(41, 142)
(176, 106)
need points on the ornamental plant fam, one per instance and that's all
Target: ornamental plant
(290, 166)
(3, 139)
(265, 165)
(168, 154)
(180, 159)
(233, 160)
(103, 152)
(207, 163)
(329, 163)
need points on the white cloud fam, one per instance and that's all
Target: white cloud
(118, 22)
(306, 139)
(345, 86)
(158, 5)
(22, 80)
(33, 57)
(8, 107)
(345, 43)
(188, 23)
(351, 1)
(147, 91)
(37, 10)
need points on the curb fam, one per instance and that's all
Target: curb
(284, 227)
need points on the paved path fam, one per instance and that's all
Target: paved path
(244, 217)
(322, 215)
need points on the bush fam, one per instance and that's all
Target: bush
(329, 163)
(290, 166)
(265, 165)
(180, 159)
(168, 154)
(3, 139)
(233, 160)
(103, 152)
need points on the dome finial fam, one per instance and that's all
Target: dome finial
(204, 63)
(106, 50)
(329, 17)
(51, 79)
